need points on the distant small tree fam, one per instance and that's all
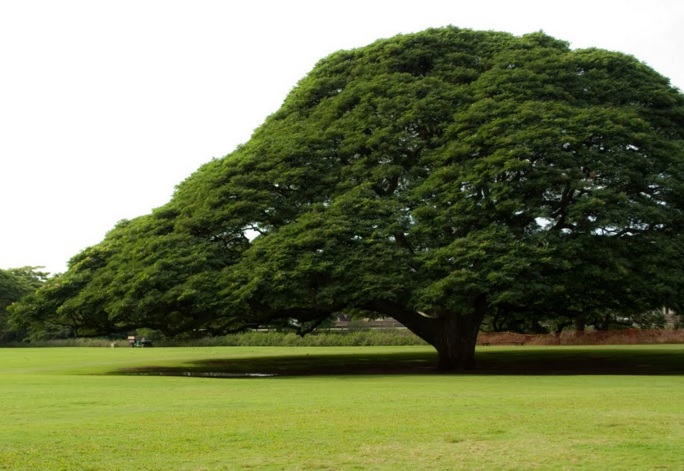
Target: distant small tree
(15, 284)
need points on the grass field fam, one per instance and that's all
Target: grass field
(588, 408)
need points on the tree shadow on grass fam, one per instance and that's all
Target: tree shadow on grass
(515, 361)
(583, 361)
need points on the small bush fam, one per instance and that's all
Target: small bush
(351, 338)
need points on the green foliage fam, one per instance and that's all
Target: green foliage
(355, 338)
(15, 284)
(436, 178)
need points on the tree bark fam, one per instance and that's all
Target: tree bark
(456, 337)
(453, 335)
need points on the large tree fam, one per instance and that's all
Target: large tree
(433, 178)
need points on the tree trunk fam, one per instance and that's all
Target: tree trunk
(453, 335)
(456, 336)
(455, 344)
(580, 325)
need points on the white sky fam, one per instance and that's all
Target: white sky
(106, 105)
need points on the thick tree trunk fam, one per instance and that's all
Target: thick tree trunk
(456, 337)
(455, 343)
(453, 335)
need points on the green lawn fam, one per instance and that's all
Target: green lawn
(89, 408)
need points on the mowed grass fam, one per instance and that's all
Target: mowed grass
(589, 408)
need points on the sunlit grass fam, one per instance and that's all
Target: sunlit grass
(64, 409)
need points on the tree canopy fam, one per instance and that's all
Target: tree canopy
(16, 283)
(435, 178)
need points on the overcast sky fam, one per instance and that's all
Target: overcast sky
(105, 106)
